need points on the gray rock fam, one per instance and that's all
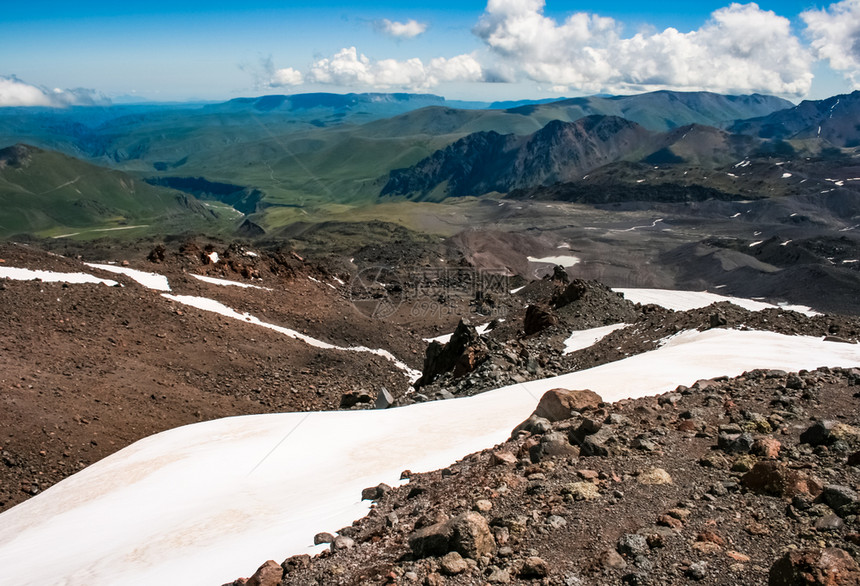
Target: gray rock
(841, 499)
(829, 523)
(817, 434)
(323, 538)
(698, 571)
(735, 443)
(342, 542)
(632, 544)
(384, 399)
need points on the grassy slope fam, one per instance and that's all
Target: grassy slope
(50, 193)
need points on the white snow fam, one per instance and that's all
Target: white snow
(207, 503)
(756, 243)
(785, 243)
(853, 260)
(517, 290)
(585, 338)
(736, 215)
(251, 253)
(445, 338)
(744, 163)
(565, 261)
(786, 175)
(217, 307)
(227, 283)
(213, 256)
(148, 280)
(339, 281)
(18, 274)
(687, 300)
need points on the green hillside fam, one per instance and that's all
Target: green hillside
(51, 194)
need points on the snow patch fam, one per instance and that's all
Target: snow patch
(217, 307)
(756, 243)
(687, 300)
(445, 338)
(565, 261)
(213, 256)
(517, 290)
(18, 274)
(148, 280)
(226, 283)
(586, 338)
(786, 175)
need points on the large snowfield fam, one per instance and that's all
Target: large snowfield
(207, 503)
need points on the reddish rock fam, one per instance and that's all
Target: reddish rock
(815, 567)
(669, 521)
(775, 479)
(766, 447)
(557, 404)
(710, 537)
(269, 574)
(501, 457)
(296, 562)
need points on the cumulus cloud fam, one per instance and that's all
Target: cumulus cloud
(835, 36)
(285, 77)
(401, 30)
(740, 49)
(349, 68)
(14, 92)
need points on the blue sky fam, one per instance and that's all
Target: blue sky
(496, 49)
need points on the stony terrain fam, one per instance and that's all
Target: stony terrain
(751, 480)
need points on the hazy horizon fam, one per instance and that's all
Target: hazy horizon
(94, 51)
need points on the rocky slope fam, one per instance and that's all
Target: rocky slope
(489, 161)
(751, 480)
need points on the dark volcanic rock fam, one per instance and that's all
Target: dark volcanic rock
(467, 534)
(538, 319)
(463, 352)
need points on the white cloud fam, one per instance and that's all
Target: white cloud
(835, 36)
(349, 68)
(740, 49)
(401, 30)
(14, 92)
(286, 76)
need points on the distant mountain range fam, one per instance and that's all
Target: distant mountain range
(487, 162)
(283, 157)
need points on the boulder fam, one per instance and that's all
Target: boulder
(815, 567)
(467, 534)
(538, 319)
(776, 479)
(384, 399)
(269, 574)
(557, 404)
(443, 358)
